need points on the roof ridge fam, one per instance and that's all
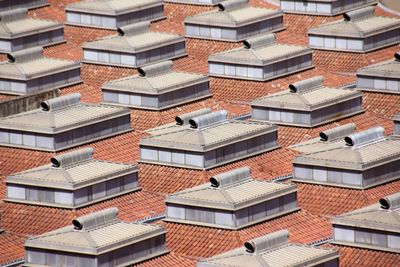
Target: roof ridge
(226, 195)
(89, 239)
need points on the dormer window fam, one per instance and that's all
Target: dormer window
(134, 46)
(260, 59)
(96, 239)
(156, 87)
(218, 203)
(28, 71)
(307, 103)
(329, 139)
(72, 180)
(360, 31)
(396, 121)
(112, 14)
(62, 123)
(234, 21)
(374, 227)
(322, 7)
(383, 77)
(19, 31)
(367, 159)
(273, 249)
(206, 141)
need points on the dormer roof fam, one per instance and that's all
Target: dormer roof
(385, 69)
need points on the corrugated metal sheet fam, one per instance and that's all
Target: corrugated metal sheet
(112, 6)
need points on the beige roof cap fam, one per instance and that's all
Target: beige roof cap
(259, 41)
(185, 117)
(134, 29)
(270, 241)
(95, 219)
(390, 202)
(61, 102)
(209, 119)
(338, 132)
(25, 55)
(14, 14)
(307, 84)
(365, 137)
(359, 13)
(232, 5)
(156, 69)
(231, 177)
(73, 157)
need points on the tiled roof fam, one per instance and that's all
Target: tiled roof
(202, 242)
(12, 248)
(169, 260)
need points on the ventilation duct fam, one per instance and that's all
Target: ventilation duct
(364, 137)
(232, 5)
(61, 102)
(269, 241)
(359, 13)
(72, 157)
(156, 69)
(134, 29)
(12, 15)
(259, 41)
(231, 177)
(397, 56)
(338, 132)
(307, 84)
(184, 118)
(390, 202)
(95, 219)
(26, 54)
(208, 119)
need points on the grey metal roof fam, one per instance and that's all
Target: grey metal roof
(383, 216)
(359, 23)
(156, 79)
(195, 2)
(61, 114)
(310, 95)
(232, 14)
(134, 38)
(370, 150)
(385, 69)
(81, 171)
(211, 136)
(31, 63)
(16, 23)
(271, 250)
(232, 191)
(260, 51)
(95, 234)
(112, 7)
(330, 139)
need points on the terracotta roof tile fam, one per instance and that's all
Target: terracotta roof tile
(11, 247)
(169, 260)
(202, 242)
(385, 105)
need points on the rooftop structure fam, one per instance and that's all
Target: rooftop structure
(273, 250)
(97, 239)
(260, 59)
(375, 227)
(383, 77)
(307, 103)
(196, 2)
(14, 4)
(323, 7)
(231, 200)
(134, 46)
(367, 159)
(396, 120)
(62, 123)
(72, 180)
(329, 139)
(211, 140)
(156, 87)
(234, 21)
(360, 31)
(29, 71)
(112, 14)
(19, 31)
